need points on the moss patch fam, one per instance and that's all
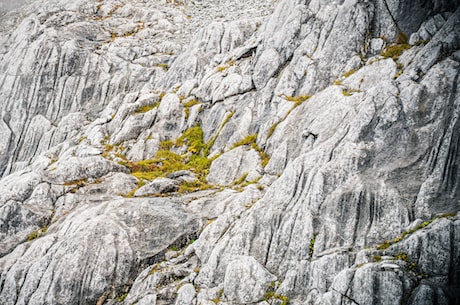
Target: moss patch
(386, 244)
(147, 108)
(349, 72)
(395, 50)
(166, 161)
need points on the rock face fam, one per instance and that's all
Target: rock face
(194, 152)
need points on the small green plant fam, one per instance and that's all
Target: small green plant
(164, 66)
(173, 248)
(376, 258)
(216, 300)
(394, 51)
(271, 295)
(401, 256)
(385, 245)
(349, 72)
(37, 233)
(121, 298)
(311, 247)
(225, 66)
(272, 129)
(167, 161)
(296, 99)
(349, 92)
(147, 108)
(248, 140)
(240, 180)
(188, 105)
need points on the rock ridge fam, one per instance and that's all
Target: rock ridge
(211, 152)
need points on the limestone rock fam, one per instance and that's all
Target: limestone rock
(185, 295)
(158, 186)
(246, 280)
(60, 258)
(348, 195)
(231, 166)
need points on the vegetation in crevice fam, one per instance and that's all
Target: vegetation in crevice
(349, 92)
(394, 51)
(251, 140)
(42, 231)
(37, 233)
(163, 66)
(226, 65)
(147, 108)
(349, 73)
(188, 105)
(311, 246)
(76, 184)
(388, 243)
(297, 100)
(241, 179)
(216, 300)
(166, 161)
(272, 297)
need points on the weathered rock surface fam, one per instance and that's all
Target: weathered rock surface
(310, 156)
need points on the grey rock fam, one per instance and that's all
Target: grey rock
(185, 295)
(232, 165)
(183, 176)
(150, 299)
(158, 186)
(362, 149)
(246, 280)
(61, 256)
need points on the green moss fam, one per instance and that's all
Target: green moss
(272, 129)
(241, 179)
(395, 50)
(193, 138)
(401, 257)
(189, 104)
(349, 72)
(349, 92)
(376, 258)
(38, 233)
(173, 248)
(82, 139)
(219, 295)
(225, 66)
(167, 144)
(271, 295)
(385, 245)
(311, 247)
(167, 161)
(296, 99)
(248, 140)
(165, 67)
(402, 38)
(263, 155)
(147, 108)
(121, 298)
(388, 243)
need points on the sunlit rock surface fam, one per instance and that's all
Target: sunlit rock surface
(227, 152)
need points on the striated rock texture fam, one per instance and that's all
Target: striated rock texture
(227, 152)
